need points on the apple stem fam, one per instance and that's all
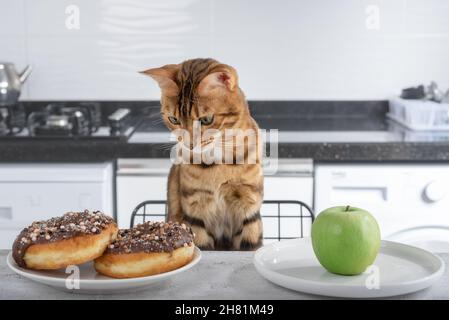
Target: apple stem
(347, 208)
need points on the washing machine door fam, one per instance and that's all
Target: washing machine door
(431, 238)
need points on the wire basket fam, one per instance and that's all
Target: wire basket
(420, 114)
(282, 219)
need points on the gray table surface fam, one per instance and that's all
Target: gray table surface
(219, 275)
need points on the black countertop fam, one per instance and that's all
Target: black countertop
(324, 131)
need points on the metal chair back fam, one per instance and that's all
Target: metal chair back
(290, 211)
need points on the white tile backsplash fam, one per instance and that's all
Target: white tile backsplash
(12, 19)
(427, 18)
(120, 17)
(294, 49)
(13, 40)
(106, 68)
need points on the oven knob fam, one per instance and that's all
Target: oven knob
(435, 191)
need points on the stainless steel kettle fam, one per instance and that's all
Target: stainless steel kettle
(11, 83)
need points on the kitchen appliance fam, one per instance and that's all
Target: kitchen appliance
(409, 201)
(11, 83)
(63, 120)
(3, 126)
(36, 191)
(139, 180)
(12, 119)
(75, 120)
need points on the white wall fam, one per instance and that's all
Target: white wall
(321, 49)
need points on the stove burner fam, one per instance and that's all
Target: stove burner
(71, 120)
(4, 130)
(58, 119)
(12, 119)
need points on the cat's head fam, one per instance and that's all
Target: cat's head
(199, 91)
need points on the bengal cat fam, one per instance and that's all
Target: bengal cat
(221, 202)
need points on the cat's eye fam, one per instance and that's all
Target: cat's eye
(173, 120)
(207, 120)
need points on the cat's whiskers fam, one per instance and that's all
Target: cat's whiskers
(157, 121)
(166, 146)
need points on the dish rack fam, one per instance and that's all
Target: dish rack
(296, 213)
(419, 114)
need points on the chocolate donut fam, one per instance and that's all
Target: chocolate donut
(74, 238)
(147, 249)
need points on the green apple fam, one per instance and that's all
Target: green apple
(345, 239)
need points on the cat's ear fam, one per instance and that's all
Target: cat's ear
(165, 76)
(223, 80)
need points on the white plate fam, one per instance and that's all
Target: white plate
(398, 269)
(431, 238)
(92, 282)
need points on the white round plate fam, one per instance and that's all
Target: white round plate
(92, 282)
(398, 269)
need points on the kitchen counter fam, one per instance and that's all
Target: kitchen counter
(321, 146)
(219, 275)
(322, 131)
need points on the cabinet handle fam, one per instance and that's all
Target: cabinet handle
(338, 174)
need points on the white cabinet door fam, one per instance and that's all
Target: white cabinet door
(285, 221)
(30, 192)
(402, 197)
(132, 190)
(139, 180)
(289, 188)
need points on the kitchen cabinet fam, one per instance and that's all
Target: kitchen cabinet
(283, 221)
(30, 192)
(139, 180)
(146, 179)
(409, 201)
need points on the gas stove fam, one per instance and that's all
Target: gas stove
(80, 120)
(12, 119)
